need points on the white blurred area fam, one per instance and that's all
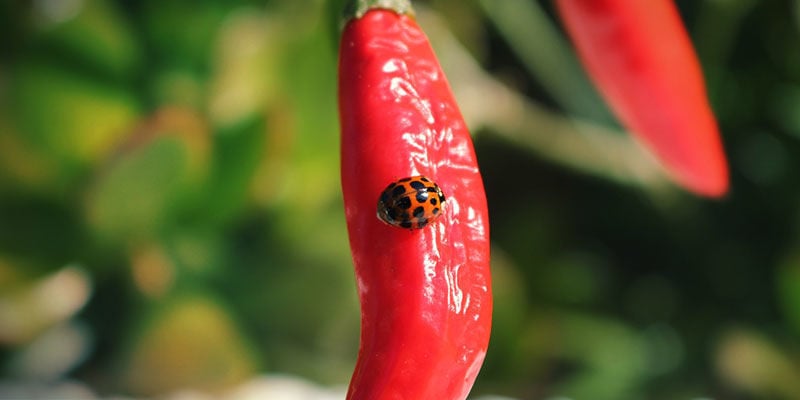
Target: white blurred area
(276, 387)
(272, 387)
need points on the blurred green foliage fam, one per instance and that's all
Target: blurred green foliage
(169, 190)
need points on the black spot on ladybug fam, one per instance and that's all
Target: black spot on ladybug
(422, 197)
(403, 180)
(405, 224)
(433, 201)
(424, 179)
(417, 185)
(436, 211)
(404, 203)
(399, 191)
(419, 212)
(441, 197)
(391, 213)
(405, 217)
(421, 224)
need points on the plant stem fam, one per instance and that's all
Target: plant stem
(357, 8)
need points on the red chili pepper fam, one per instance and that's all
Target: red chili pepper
(641, 58)
(425, 293)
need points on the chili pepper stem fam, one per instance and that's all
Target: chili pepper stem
(357, 8)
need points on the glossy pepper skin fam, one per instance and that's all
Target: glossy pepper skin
(426, 293)
(641, 59)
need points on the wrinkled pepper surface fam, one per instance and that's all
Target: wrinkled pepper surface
(425, 293)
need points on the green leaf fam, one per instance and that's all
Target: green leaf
(135, 196)
(93, 32)
(60, 114)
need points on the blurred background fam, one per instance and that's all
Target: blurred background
(171, 222)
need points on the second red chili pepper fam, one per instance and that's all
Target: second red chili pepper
(425, 293)
(640, 57)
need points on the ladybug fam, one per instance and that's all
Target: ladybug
(411, 203)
